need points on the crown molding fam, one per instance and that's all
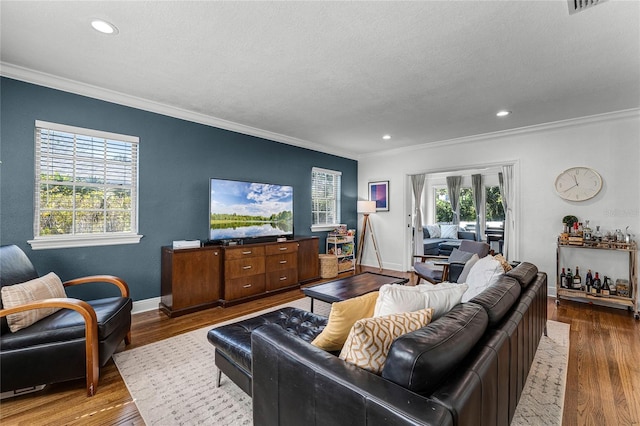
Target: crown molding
(66, 85)
(598, 118)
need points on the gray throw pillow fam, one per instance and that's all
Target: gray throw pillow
(459, 256)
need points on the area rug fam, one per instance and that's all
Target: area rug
(173, 381)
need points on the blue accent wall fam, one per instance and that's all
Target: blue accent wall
(177, 158)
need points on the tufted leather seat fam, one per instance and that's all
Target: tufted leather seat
(233, 341)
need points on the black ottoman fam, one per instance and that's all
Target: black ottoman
(233, 341)
(447, 247)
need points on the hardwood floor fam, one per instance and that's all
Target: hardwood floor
(603, 380)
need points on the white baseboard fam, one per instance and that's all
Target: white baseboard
(145, 305)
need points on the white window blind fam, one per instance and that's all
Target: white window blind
(86, 187)
(325, 197)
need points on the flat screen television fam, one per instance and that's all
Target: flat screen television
(249, 210)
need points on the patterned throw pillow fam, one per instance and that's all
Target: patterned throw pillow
(368, 343)
(342, 317)
(449, 231)
(434, 231)
(46, 287)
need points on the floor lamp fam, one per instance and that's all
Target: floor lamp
(366, 208)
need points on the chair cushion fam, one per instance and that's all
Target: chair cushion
(428, 270)
(67, 324)
(46, 287)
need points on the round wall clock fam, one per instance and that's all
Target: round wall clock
(578, 184)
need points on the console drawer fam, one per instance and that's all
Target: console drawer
(243, 287)
(242, 252)
(282, 261)
(281, 248)
(281, 279)
(243, 267)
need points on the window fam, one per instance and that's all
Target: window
(325, 199)
(493, 206)
(86, 187)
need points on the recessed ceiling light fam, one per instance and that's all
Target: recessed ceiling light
(503, 113)
(386, 137)
(104, 27)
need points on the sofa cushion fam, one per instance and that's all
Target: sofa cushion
(46, 287)
(396, 298)
(442, 297)
(425, 232)
(421, 360)
(525, 273)
(342, 317)
(498, 298)
(462, 278)
(369, 340)
(505, 265)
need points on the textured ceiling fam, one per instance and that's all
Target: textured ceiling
(336, 76)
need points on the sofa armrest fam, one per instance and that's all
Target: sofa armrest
(296, 383)
(466, 235)
(118, 282)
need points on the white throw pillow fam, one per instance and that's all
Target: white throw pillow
(485, 272)
(396, 298)
(449, 231)
(442, 297)
(434, 231)
(467, 267)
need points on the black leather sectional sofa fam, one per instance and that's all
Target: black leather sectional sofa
(466, 368)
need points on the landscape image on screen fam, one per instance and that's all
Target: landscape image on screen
(249, 210)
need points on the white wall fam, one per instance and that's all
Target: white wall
(608, 143)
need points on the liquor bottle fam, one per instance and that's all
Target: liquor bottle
(577, 280)
(597, 284)
(597, 236)
(569, 278)
(563, 279)
(606, 289)
(587, 235)
(588, 281)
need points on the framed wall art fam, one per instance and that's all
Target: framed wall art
(379, 192)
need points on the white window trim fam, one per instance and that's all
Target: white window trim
(328, 226)
(87, 240)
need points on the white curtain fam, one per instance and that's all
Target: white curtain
(479, 203)
(505, 179)
(417, 183)
(453, 186)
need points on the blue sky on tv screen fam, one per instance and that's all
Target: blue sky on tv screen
(253, 199)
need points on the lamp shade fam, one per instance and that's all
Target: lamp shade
(366, 207)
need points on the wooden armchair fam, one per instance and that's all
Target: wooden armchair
(437, 269)
(70, 343)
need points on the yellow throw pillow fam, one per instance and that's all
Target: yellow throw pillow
(370, 339)
(342, 317)
(46, 287)
(505, 264)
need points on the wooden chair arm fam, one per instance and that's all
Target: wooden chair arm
(119, 282)
(91, 331)
(425, 257)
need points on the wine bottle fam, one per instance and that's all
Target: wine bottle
(597, 284)
(606, 289)
(588, 281)
(563, 279)
(577, 280)
(569, 278)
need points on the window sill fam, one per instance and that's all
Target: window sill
(324, 228)
(69, 241)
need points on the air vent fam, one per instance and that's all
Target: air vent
(576, 6)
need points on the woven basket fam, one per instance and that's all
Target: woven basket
(328, 265)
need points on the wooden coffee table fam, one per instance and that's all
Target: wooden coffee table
(349, 287)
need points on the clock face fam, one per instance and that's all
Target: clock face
(578, 184)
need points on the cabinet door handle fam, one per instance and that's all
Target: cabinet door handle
(247, 252)
(283, 248)
(246, 267)
(247, 285)
(283, 278)
(282, 262)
